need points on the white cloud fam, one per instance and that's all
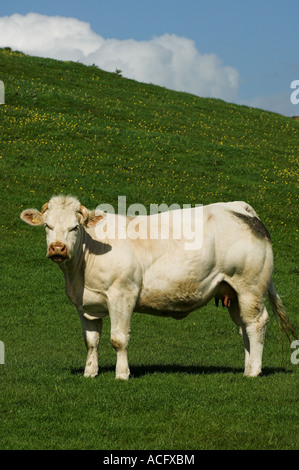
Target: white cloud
(168, 60)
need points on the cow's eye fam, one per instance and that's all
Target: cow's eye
(74, 229)
(47, 226)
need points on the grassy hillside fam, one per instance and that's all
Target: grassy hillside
(68, 128)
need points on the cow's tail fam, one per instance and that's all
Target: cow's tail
(278, 308)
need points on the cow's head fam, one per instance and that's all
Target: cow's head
(64, 218)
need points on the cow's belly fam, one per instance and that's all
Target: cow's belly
(174, 295)
(179, 299)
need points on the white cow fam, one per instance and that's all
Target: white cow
(106, 273)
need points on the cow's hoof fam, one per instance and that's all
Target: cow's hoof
(91, 373)
(123, 376)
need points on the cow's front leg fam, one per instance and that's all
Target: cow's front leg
(120, 335)
(120, 314)
(92, 330)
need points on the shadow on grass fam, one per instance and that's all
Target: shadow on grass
(140, 371)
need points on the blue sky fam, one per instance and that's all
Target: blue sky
(252, 47)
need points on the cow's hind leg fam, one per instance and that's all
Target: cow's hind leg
(254, 335)
(234, 311)
(250, 314)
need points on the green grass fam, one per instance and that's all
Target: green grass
(68, 128)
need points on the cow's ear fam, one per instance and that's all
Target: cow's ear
(32, 217)
(94, 217)
(90, 218)
(83, 214)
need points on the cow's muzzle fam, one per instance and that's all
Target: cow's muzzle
(58, 252)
